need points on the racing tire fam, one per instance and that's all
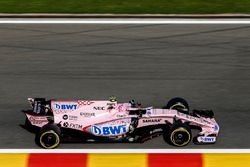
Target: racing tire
(178, 104)
(49, 136)
(178, 134)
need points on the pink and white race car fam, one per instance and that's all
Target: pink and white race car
(56, 121)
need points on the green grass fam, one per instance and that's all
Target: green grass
(126, 6)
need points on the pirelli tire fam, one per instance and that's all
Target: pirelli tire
(178, 104)
(178, 134)
(49, 136)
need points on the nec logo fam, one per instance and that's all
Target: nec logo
(109, 130)
(99, 108)
(66, 106)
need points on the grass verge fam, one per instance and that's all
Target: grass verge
(126, 6)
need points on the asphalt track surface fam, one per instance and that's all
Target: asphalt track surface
(209, 65)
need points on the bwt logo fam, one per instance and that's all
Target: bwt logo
(66, 106)
(208, 139)
(109, 130)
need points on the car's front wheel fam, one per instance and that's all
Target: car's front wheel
(178, 134)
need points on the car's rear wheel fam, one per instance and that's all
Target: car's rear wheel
(178, 104)
(49, 136)
(178, 134)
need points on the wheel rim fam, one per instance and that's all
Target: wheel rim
(49, 139)
(179, 106)
(180, 137)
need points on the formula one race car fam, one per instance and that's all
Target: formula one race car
(108, 121)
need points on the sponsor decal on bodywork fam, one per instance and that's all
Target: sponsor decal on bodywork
(98, 108)
(123, 107)
(206, 139)
(149, 110)
(70, 117)
(121, 115)
(84, 103)
(61, 107)
(66, 106)
(151, 121)
(112, 128)
(87, 114)
(109, 130)
(156, 120)
(72, 125)
(37, 120)
(216, 128)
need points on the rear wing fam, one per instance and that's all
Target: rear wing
(38, 105)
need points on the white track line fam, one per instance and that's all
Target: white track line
(125, 151)
(121, 21)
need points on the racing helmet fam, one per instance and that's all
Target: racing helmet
(112, 98)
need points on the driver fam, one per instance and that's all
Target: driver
(113, 101)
